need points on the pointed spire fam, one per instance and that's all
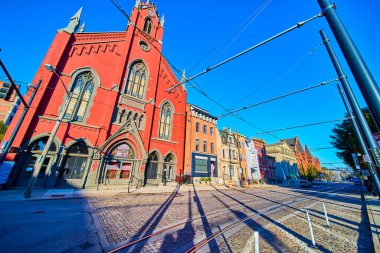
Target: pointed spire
(137, 5)
(183, 79)
(162, 21)
(74, 22)
(81, 28)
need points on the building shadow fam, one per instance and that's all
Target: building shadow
(253, 225)
(274, 222)
(185, 236)
(150, 225)
(346, 198)
(364, 243)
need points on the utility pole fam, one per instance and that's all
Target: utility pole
(372, 170)
(41, 159)
(359, 69)
(357, 112)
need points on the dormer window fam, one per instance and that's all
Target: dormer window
(148, 26)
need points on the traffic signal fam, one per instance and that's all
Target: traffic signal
(6, 91)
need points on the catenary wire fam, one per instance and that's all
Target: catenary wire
(293, 67)
(305, 125)
(298, 25)
(279, 97)
(216, 46)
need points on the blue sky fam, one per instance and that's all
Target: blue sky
(202, 33)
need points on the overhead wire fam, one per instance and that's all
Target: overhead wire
(278, 97)
(305, 125)
(208, 69)
(250, 19)
(289, 70)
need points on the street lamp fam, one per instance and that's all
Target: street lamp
(41, 159)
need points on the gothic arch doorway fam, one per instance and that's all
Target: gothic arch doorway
(33, 153)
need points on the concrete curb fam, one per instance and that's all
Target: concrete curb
(373, 212)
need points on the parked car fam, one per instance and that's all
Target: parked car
(319, 181)
(357, 181)
(305, 184)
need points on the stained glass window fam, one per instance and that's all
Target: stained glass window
(80, 96)
(165, 121)
(136, 80)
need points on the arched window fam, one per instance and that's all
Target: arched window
(165, 121)
(75, 161)
(81, 92)
(136, 80)
(39, 145)
(148, 26)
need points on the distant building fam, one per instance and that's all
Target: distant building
(252, 160)
(304, 156)
(286, 161)
(243, 164)
(266, 164)
(8, 108)
(201, 143)
(229, 167)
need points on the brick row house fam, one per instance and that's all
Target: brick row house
(201, 144)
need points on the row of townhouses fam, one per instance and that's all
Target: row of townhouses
(107, 94)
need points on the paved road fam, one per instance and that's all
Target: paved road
(182, 219)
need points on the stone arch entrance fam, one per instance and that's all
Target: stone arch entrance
(74, 164)
(33, 153)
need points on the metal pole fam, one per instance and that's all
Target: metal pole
(357, 112)
(311, 230)
(256, 241)
(17, 127)
(41, 159)
(372, 170)
(326, 217)
(359, 69)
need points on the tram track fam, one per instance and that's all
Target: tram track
(286, 202)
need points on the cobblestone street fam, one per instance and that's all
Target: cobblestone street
(178, 221)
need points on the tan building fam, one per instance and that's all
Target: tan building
(228, 157)
(8, 108)
(243, 173)
(285, 161)
(201, 144)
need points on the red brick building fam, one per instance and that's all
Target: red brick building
(201, 144)
(304, 156)
(120, 125)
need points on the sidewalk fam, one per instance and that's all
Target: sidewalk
(46, 194)
(373, 210)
